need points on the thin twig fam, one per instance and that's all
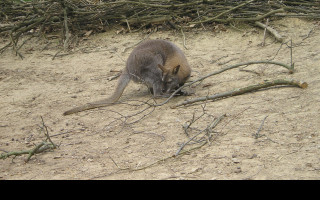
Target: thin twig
(186, 126)
(184, 39)
(207, 130)
(225, 12)
(128, 25)
(264, 33)
(55, 55)
(257, 135)
(185, 143)
(46, 133)
(66, 41)
(291, 47)
(261, 125)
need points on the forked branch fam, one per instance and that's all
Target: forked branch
(47, 144)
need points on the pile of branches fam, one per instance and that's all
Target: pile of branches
(77, 17)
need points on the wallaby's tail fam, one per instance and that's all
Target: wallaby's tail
(122, 83)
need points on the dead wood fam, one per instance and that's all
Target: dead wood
(243, 90)
(290, 68)
(205, 132)
(73, 17)
(41, 147)
(278, 37)
(208, 131)
(47, 144)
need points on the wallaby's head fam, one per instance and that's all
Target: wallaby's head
(171, 79)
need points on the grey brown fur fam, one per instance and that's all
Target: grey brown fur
(159, 64)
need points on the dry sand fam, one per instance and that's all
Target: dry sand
(95, 145)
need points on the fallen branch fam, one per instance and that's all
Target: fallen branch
(47, 144)
(178, 153)
(43, 146)
(278, 37)
(165, 159)
(290, 68)
(247, 89)
(207, 131)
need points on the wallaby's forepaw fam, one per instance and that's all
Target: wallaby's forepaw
(185, 93)
(162, 96)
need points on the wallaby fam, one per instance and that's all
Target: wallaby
(160, 64)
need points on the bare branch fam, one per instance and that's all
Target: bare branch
(243, 90)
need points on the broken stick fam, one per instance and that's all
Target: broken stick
(278, 37)
(41, 147)
(243, 90)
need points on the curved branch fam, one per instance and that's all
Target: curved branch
(243, 90)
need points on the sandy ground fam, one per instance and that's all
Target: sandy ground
(96, 144)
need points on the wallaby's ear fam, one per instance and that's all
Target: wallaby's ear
(162, 68)
(175, 70)
(164, 72)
